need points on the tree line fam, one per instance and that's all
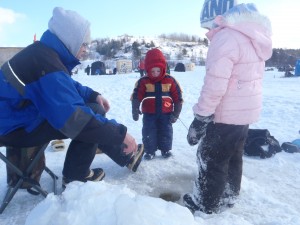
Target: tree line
(109, 48)
(283, 57)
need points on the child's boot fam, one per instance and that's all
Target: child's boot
(166, 154)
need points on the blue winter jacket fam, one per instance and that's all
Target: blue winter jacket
(36, 85)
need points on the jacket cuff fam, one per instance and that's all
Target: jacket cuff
(94, 96)
(205, 119)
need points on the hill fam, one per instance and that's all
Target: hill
(176, 48)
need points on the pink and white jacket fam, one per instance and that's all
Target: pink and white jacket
(240, 45)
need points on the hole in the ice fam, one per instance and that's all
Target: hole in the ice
(170, 196)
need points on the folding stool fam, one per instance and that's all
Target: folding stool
(24, 177)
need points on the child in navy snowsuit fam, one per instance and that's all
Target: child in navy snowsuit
(161, 98)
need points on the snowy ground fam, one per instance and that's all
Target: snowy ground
(270, 187)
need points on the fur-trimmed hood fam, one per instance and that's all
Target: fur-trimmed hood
(246, 19)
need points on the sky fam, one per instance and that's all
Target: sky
(270, 187)
(20, 20)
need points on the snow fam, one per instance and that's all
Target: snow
(270, 187)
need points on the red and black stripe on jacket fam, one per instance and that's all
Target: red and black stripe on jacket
(157, 97)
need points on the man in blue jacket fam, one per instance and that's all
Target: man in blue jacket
(41, 102)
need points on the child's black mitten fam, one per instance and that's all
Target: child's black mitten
(136, 109)
(175, 114)
(197, 128)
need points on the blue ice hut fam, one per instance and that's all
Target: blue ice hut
(297, 68)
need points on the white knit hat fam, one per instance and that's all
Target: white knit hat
(213, 8)
(71, 28)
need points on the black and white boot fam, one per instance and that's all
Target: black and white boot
(136, 158)
(96, 174)
(189, 203)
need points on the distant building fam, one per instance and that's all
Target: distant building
(7, 52)
(124, 66)
(189, 66)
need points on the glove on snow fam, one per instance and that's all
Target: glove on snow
(176, 112)
(197, 128)
(136, 109)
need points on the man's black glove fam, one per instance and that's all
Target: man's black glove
(175, 114)
(136, 109)
(197, 128)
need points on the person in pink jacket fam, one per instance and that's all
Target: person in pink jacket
(230, 100)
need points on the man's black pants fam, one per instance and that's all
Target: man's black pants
(79, 155)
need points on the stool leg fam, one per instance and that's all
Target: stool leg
(10, 165)
(54, 177)
(23, 176)
(10, 194)
(39, 190)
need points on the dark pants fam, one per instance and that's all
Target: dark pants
(157, 132)
(142, 72)
(115, 152)
(220, 163)
(79, 154)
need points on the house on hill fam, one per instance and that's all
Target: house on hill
(7, 52)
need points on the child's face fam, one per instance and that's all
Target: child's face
(155, 71)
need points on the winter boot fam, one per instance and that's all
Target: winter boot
(228, 199)
(192, 206)
(149, 156)
(166, 154)
(189, 203)
(96, 174)
(136, 158)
